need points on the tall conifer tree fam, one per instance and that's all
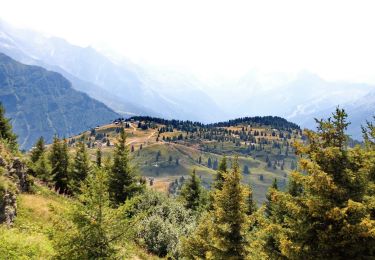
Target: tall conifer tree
(38, 150)
(81, 167)
(192, 192)
(123, 181)
(220, 173)
(95, 228)
(6, 132)
(99, 157)
(222, 233)
(330, 218)
(59, 159)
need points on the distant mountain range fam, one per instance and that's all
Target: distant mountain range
(125, 87)
(43, 103)
(131, 89)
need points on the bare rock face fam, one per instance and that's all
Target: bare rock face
(8, 209)
(2, 162)
(16, 180)
(18, 172)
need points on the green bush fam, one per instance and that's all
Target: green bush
(159, 222)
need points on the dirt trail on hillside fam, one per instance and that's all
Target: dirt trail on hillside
(141, 139)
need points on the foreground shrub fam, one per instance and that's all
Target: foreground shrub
(159, 222)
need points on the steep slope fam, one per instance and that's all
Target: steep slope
(43, 103)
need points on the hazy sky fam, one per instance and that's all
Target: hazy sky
(335, 39)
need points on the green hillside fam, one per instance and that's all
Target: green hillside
(171, 148)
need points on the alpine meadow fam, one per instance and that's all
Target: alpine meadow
(187, 130)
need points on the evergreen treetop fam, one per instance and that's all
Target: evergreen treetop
(123, 181)
(38, 150)
(192, 192)
(6, 132)
(329, 219)
(220, 173)
(59, 160)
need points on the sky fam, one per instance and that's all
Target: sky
(334, 39)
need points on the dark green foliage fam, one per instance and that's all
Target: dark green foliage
(81, 168)
(293, 165)
(123, 181)
(246, 169)
(38, 150)
(271, 121)
(325, 215)
(294, 188)
(59, 160)
(42, 168)
(192, 193)
(6, 132)
(158, 156)
(251, 206)
(209, 163)
(99, 157)
(222, 232)
(269, 205)
(220, 173)
(94, 227)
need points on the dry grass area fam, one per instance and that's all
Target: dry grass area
(162, 184)
(39, 209)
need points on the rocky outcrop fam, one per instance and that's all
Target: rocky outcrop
(13, 180)
(8, 207)
(18, 173)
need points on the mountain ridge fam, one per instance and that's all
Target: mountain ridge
(43, 103)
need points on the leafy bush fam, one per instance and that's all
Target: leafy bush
(159, 222)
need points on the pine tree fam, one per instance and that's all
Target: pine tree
(209, 163)
(294, 188)
(192, 192)
(59, 160)
(215, 165)
(95, 229)
(230, 216)
(6, 132)
(38, 150)
(369, 139)
(123, 182)
(99, 157)
(220, 174)
(42, 168)
(246, 169)
(251, 206)
(81, 168)
(222, 233)
(268, 209)
(330, 218)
